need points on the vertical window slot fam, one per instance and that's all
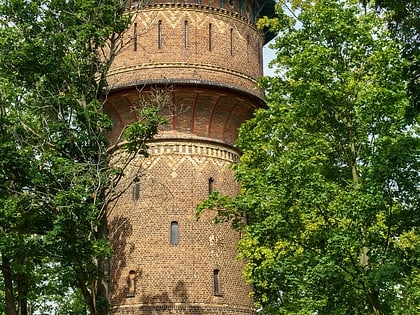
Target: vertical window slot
(216, 282)
(231, 41)
(211, 181)
(131, 284)
(160, 34)
(185, 34)
(210, 39)
(174, 233)
(136, 189)
(247, 46)
(135, 37)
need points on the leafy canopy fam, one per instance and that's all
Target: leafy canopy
(330, 171)
(56, 176)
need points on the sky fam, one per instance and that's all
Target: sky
(268, 55)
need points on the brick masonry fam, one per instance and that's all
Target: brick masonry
(172, 181)
(187, 32)
(207, 58)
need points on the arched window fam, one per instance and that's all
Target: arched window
(211, 181)
(174, 233)
(216, 282)
(131, 284)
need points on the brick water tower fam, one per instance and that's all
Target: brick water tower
(207, 56)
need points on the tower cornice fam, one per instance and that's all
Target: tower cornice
(168, 80)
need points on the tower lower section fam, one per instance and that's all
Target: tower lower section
(165, 259)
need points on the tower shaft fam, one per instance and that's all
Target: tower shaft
(207, 57)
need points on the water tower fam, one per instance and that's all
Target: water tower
(207, 55)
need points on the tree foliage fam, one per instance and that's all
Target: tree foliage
(56, 176)
(330, 170)
(404, 20)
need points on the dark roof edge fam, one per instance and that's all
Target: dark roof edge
(267, 8)
(188, 82)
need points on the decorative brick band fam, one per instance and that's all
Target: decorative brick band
(195, 7)
(184, 308)
(180, 65)
(194, 148)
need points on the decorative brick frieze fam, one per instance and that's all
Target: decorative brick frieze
(205, 149)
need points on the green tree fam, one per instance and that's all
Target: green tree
(56, 174)
(404, 21)
(330, 171)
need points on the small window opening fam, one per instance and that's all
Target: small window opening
(135, 37)
(210, 35)
(247, 46)
(160, 34)
(131, 284)
(231, 41)
(222, 3)
(136, 189)
(216, 282)
(186, 34)
(174, 233)
(211, 181)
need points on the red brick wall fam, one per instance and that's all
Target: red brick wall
(172, 182)
(194, 112)
(237, 66)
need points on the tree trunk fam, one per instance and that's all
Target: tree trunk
(8, 286)
(103, 266)
(373, 300)
(22, 295)
(85, 292)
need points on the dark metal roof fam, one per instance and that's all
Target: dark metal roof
(267, 8)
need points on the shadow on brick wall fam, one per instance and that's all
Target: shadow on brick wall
(120, 229)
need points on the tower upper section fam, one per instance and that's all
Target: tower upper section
(202, 42)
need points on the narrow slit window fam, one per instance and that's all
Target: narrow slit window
(211, 181)
(135, 37)
(247, 47)
(174, 233)
(160, 34)
(216, 282)
(185, 34)
(136, 189)
(131, 284)
(210, 39)
(231, 41)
